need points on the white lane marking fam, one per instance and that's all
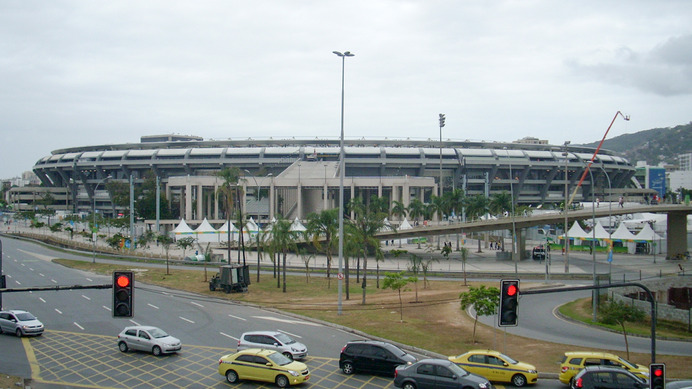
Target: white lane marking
(31, 268)
(17, 282)
(134, 322)
(106, 308)
(197, 304)
(89, 279)
(187, 320)
(288, 333)
(80, 327)
(53, 281)
(58, 311)
(42, 300)
(87, 297)
(153, 306)
(238, 317)
(39, 256)
(228, 336)
(288, 321)
(41, 274)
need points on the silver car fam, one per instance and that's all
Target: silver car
(273, 340)
(20, 323)
(149, 339)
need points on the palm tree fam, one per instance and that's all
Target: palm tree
(228, 189)
(500, 202)
(324, 225)
(416, 208)
(398, 209)
(366, 222)
(454, 201)
(476, 207)
(282, 240)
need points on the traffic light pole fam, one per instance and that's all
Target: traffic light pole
(616, 285)
(45, 288)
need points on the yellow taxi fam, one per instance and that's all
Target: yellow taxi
(497, 367)
(572, 362)
(256, 364)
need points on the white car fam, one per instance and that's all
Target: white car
(149, 339)
(273, 340)
(20, 323)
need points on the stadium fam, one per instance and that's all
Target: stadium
(294, 177)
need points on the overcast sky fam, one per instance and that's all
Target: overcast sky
(78, 73)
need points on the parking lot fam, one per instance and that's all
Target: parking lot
(70, 358)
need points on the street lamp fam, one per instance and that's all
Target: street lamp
(610, 223)
(342, 162)
(566, 208)
(257, 197)
(93, 211)
(514, 227)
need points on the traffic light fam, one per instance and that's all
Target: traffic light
(657, 376)
(442, 120)
(509, 301)
(123, 294)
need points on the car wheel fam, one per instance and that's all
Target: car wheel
(18, 332)
(281, 381)
(288, 355)
(518, 380)
(156, 351)
(409, 385)
(231, 377)
(122, 346)
(347, 368)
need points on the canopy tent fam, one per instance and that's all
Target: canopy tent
(182, 230)
(405, 225)
(205, 233)
(297, 225)
(601, 233)
(386, 226)
(622, 234)
(223, 232)
(647, 234)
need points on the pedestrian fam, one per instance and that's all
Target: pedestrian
(598, 202)
(621, 201)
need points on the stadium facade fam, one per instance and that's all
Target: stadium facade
(295, 177)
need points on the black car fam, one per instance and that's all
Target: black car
(373, 357)
(607, 377)
(437, 373)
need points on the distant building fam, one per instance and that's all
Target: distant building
(685, 162)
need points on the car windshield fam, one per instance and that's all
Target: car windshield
(285, 339)
(25, 316)
(627, 363)
(508, 359)
(158, 333)
(457, 370)
(279, 359)
(396, 350)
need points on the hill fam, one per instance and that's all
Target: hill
(653, 146)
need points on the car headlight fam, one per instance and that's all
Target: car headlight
(295, 350)
(532, 372)
(484, 386)
(293, 373)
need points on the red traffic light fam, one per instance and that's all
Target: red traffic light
(123, 281)
(511, 290)
(658, 372)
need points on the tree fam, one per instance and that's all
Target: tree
(414, 268)
(396, 281)
(484, 301)
(368, 219)
(618, 312)
(324, 225)
(165, 241)
(477, 206)
(398, 209)
(145, 206)
(464, 256)
(228, 190)
(306, 257)
(416, 208)
(185, 243)
(282, 240)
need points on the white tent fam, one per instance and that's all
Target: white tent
(205, 233)
(647, 234)
(576, 233)
(223, 232)
(624, 235)
(386, 226)
(601, 233)
(405, 225)
(297, 226)
(182, 230)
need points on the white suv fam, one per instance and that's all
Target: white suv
(273, 340)
(20, 323)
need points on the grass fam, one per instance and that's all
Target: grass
(432, 318)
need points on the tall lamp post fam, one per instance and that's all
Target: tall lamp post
(566, 207)
(594, 293)
(439, 192)
(610, 223)
(93, 231)
(342, 169)
(515, 258)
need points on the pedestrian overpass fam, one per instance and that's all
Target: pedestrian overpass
(676, 228)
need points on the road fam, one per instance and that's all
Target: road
(79, 347)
